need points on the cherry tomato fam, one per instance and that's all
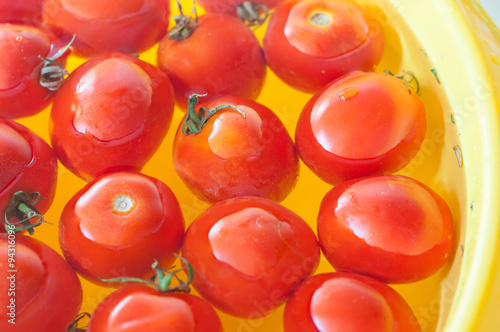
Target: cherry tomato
(243, 150)
(131, 26)
(111, 114)
(214, 54)
(25, 12)
(24, 90)
(142, 308)
(362, 124)
(392, 228)
(118, 224)
(347, 302)
(28, 173)
(38, 290)
(311, 43)
(248, 253)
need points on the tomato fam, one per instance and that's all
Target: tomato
(248, 254)
(118, 224)
(362, 124)
(25, 12)
(243, 152)
(28, 173)
(214, 54)
(131, 26)
(347, 302)
(24, 90)
(112, 106)
(311, 43)
(391, 227)
(38, 290)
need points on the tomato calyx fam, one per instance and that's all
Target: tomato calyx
(184, 25)
(252, 14)
(162, 279)
(53, 72)
(408, 78)
(195, 121)
(73, 327)
(22, 207)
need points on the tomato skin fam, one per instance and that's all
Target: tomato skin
(310, 72)
(404, 235)
(47, 302)
(255, 277)
(377, 130)
(229, 6)
(26, 12)
(297, 316)
(39, 175)
(265, 166)
(102, 27)
(95, 246)
(221, 57)
(143, 108)
(205, 317)
(22, 95)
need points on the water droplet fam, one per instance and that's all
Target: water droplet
(19, 39)
(349, 93)
(495, 58)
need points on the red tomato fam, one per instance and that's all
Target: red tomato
(142, 308)
(347, 302)
(130, 26)
(24, 91)
(222, 56)
(235, 154)
(391, 228)
(112, 106)
(26, 11)
(362, 124)
(118, 225)
(28, 167)
(38, 290)
(248, 253)
(310, 43)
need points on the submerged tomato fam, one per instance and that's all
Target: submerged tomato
(347, 302)
(236, 154)
(111, 114)
(391, 228)
(28, 172)
(24, 91)
(38, 290)
(118, 225)
(248, 254)
(311, 43)
(220, 57)
(142, 308)
(131, 26)
(362, 124)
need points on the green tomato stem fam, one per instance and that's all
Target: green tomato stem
(22, 207)
(252, 14)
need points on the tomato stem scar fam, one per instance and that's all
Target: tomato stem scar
(22, 207)
(53, 72)
(123, 204)
(320, 19)
(252, 14)
(195, 121)
(184, 25)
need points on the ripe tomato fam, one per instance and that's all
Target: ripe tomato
(28, 173)
(112, 106)
(235, 154)
(347, 302)
(100, 27)
(25, 12)
(248, 253)
(38, 290)
(24, 90)
(392, 228)
(142, 308)
(362, 124)
(216, 54)
(118, 224)
(310, 43)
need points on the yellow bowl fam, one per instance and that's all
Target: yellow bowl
(453, 49)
